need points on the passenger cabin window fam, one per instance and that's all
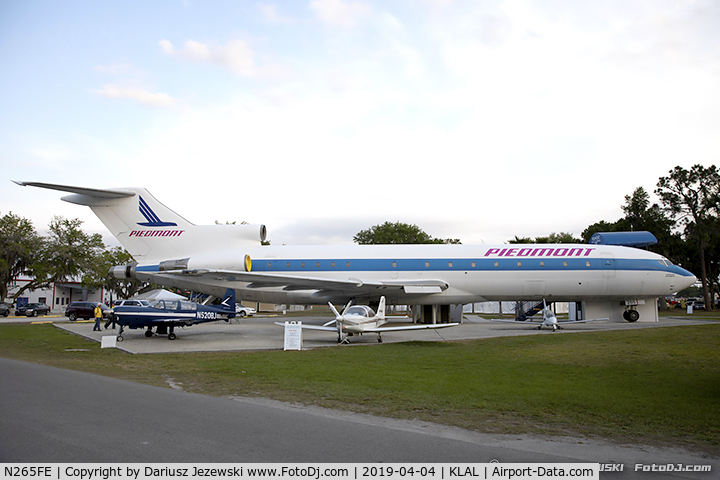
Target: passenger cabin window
(188, 306)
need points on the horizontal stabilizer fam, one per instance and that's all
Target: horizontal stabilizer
(90, 192)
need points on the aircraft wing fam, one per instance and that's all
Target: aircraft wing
(517, 322)
(312, 327)
(583, 321)
(539, 321)
(173, 321)
(350, 286)
(410, 327)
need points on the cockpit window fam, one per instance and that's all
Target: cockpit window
(664, 261)
(361, 310)
(166, 304)
(190, 306)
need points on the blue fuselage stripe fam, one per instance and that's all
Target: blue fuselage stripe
(457, 264)
(451, 264)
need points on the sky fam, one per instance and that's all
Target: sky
(321, 118)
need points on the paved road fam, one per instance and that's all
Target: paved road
(55, 415)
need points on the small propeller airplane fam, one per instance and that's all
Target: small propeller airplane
(165, 315)
(359, 319)
(549, 320)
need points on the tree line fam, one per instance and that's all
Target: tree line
(65, 254)
(686, 222)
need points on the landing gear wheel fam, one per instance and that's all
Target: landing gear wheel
(632, 315)
(120, 338)
(172, 336)
(148, 333)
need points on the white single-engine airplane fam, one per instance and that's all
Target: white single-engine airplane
(548, 320)
(170, 251)
(359, 319)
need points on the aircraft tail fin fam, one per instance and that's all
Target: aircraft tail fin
(228, 302)
(381, 308)
(149, 230)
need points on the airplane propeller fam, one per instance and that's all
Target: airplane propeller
(338, 319)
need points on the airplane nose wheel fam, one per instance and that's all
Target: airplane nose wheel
(172, 336)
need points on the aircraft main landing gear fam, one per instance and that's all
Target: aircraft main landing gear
(631, 315)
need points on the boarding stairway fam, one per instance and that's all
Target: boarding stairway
(526, 309)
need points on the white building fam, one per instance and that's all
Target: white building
(58, 295)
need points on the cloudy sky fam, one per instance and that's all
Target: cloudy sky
(477, 120)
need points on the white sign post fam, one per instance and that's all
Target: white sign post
(293, 336)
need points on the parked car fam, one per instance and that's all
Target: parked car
(4, 309)
(33, 309)
(699, 305)
(243, 311)
(77, 310)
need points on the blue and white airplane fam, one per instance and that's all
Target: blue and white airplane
(165, 315)
(171, 251)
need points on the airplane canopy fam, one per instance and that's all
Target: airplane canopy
(361, 310)
(628, 239)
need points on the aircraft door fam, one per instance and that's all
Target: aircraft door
(608, 271)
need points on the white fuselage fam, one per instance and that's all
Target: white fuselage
(470, 273)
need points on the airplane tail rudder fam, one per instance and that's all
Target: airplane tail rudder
(228, 302)
(381, 308)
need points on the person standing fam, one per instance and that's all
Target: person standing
(98, 317)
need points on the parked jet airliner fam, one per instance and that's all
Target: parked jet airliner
(173, 252)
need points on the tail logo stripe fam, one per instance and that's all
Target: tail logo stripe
(152, 219)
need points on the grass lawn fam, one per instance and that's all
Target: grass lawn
(657, 386)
